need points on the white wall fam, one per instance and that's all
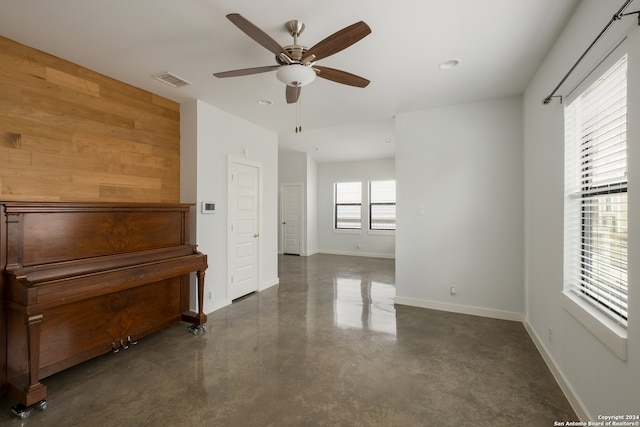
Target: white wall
(292, 167)
(596, 381)
(460, 208)
(312, 207)
(341, 243)
(208, 137)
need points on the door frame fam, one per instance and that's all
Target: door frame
(231, 218)
(301, 219)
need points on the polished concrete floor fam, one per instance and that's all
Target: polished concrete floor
(325, 347)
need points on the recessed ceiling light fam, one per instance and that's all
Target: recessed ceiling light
(388, 140)
(265, 102)
(447, 65)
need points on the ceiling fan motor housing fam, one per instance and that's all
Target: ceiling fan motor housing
(295, 54)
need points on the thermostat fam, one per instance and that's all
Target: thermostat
(208, 207)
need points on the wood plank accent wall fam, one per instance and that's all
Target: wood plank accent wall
(70, 134)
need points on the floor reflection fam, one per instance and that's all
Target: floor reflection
(364, 304)
(324, 347)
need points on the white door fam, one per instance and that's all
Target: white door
(291, 218)
(244, 236)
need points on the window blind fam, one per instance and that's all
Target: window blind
(348, 206)
(596, 213)
(382, 205)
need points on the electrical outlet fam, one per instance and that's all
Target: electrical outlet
(452, 290)
(550, 334)
(210, 295)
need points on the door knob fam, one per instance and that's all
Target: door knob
(256, 235)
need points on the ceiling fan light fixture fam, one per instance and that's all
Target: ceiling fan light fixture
(295, 75)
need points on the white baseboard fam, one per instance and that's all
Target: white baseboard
(218, 305)
(575, 402)
(269, 283)
(348, 253)
(462, 309)
(359, 253)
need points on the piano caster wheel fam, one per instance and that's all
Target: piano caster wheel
(195, 328)
(23, 412)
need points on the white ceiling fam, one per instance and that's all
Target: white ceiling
(499, 44)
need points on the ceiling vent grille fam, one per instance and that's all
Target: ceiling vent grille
(172, 79)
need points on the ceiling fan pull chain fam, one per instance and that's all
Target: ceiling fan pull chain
(298, 117)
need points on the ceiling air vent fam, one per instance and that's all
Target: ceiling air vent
(172, 80)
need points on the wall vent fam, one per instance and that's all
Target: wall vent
(171, 79)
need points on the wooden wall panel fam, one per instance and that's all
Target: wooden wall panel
(70, 134)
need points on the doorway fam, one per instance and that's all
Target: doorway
(292, 211)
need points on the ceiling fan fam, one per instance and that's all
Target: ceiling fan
(296, 63)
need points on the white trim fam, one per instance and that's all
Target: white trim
(223, 303)
(347, 230)
(362, 254)
(218, 304)
(381, 232)
(611, 334)
(604, 328)
(566, 388)
(266, 285)
(462, 309)
(617, 52)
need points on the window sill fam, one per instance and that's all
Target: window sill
(605, 329)
(347, 231)
(382, 232)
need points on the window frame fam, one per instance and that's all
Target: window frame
(347, 230)
(580, 197)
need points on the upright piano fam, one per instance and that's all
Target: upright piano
(79, 280)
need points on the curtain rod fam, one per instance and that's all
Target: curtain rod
(615, 17)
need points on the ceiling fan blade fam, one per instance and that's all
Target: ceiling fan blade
(256, 33)
(339, 40)
(292, 93)
(340, 76)
(247, 71)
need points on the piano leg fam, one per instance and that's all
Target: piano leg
(33, 337)
(198, 319)
(32, 393)
(202, 317)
